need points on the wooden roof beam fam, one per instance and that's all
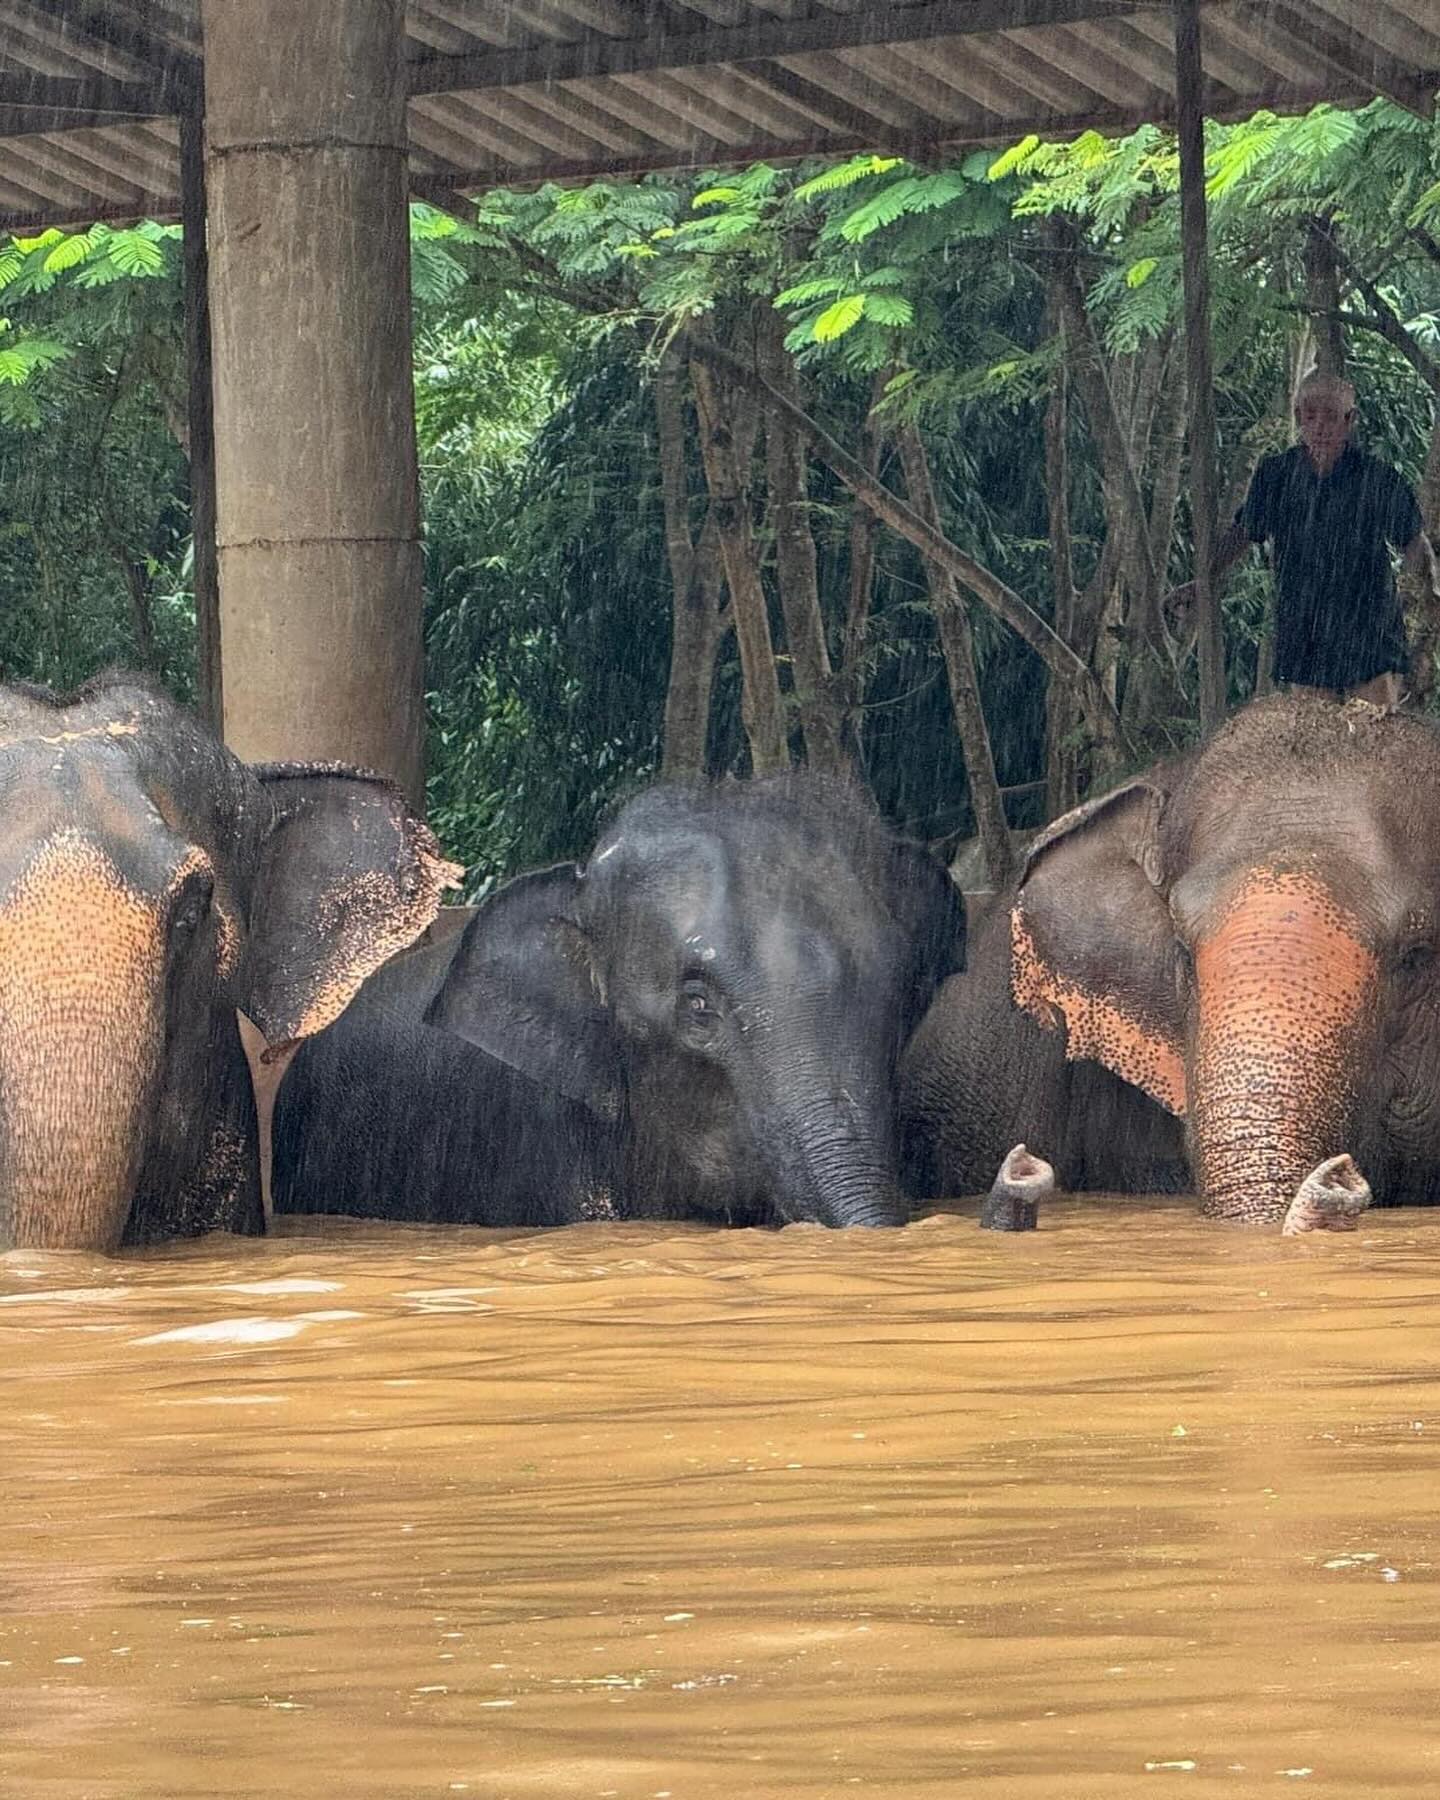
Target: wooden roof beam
(759, 41)
(1349, 53)
(60, 102)
(99, 25)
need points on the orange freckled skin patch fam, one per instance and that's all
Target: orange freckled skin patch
(1097, 1026)
(81, 968)
(1286, 992)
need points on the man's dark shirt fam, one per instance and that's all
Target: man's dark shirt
(1338, 620)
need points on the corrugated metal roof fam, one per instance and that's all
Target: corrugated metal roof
(508, 91)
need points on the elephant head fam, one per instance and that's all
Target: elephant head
(1249, 934)
(150, 886)
(733, 975)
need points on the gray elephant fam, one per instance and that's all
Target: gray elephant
(1240, 944)
(704, 1021)
(150, 885)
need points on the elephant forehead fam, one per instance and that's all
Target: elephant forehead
(1361, 803)
(97, 791)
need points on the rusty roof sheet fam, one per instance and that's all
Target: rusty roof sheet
(512, 91)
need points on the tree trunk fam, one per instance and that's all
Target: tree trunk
(1322, 296)
(1430, 483)
(699, 626)
(1125, 511)
(761, 708)
(1199, 370)
(796, 570)
(864, 533)
(137, 589)
(958, 645)
(1167, 452)
(1062, 754)
(697, 589)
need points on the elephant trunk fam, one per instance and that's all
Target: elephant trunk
(1286, 991)
(829, 1139)
(81, 976)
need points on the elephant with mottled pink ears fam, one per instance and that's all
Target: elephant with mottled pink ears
(1243, 940)
(151, 884)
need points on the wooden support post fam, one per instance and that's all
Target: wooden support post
(209, 690)
(317, 490)
(1190, 118)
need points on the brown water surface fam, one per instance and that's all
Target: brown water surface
(1132, 1505)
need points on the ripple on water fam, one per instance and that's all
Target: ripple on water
(628, 1509)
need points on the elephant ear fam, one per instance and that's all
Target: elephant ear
(523, 987)
(1092, 950)
(932, 907)
(347, 876)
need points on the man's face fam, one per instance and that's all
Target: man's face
(1324, 420)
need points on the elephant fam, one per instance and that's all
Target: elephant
(704, 1021)
(384, 1116)
(1238, 947)
(152, 886)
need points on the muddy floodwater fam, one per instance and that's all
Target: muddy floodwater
(1132, 1505)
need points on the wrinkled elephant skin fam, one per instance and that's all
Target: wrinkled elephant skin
(150, 884)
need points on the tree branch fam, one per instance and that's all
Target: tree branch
(1382, 318)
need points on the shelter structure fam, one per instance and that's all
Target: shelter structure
(308, 126)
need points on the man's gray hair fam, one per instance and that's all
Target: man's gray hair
(1323, 381)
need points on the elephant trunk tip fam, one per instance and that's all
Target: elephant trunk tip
(1330, 1198)
(1013, 1203)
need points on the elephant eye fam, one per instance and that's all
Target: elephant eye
(1419, 956)
(193, 903)
(696, 1007)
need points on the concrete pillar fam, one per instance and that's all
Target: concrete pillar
(317, 492)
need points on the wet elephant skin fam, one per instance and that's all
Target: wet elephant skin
(704, 1020)
(150, 885)
(1243, 942)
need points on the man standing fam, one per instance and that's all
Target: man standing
(1331, 514)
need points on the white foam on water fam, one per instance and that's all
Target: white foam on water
(245, 1331)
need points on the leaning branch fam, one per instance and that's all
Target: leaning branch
(1003, 601)
(1382, 318)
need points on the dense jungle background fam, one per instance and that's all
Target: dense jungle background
(636, 564)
